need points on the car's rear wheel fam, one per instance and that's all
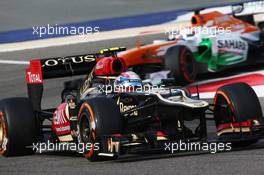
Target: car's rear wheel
(98, 117)
(180, 61)
(236, 110)
(18, 127)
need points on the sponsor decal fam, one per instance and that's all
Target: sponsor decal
(59, 116)
(60, 124)
(125, 104)
(66, 60)
(124, 108)
(34, 73)
(62, 129)
(231, 44)
(34, 78)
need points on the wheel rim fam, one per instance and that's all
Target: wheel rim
(228, 115)
(85, 130)
(86, 134)
(1, 131)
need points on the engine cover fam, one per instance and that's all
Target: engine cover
(110, 66)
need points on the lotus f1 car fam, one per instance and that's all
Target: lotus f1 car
(214, 42)
(120, 122)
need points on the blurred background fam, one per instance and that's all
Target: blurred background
(21, 14)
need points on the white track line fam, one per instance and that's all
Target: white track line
(14, 62)
(69, 40)
(108, 35)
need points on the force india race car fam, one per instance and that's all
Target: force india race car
(120, 122)
(214, 42)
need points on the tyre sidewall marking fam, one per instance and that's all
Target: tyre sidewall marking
(86, 106)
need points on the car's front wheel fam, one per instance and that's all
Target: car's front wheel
(236, 111)
(98, 117)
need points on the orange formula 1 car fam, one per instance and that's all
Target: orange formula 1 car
(214, 42)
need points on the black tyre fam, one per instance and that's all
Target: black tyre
(242, 108)
(261, 27)
(105, 115)
(18, 127)
(180, 61)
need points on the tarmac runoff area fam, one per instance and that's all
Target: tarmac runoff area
(12, 84)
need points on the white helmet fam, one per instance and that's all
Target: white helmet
(128, 79)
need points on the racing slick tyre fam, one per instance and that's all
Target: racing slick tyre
(18, 128)
(180, 61)
(98, 117)
(236, 110)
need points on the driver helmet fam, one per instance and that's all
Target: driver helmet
(128, 80)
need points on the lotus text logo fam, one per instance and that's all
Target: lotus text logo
(74, 59)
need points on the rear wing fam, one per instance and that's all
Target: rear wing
(248, 11)
(248, 8)
(41, 69)
(59, 67)
(244, 10)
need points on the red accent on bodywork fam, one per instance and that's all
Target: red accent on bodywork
(34, 73)
(161, 134)
(110, 66)
(252, 79)
(117, 135)
(60, 122)
(247, 123)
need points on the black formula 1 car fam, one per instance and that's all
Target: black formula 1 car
(113, 123)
